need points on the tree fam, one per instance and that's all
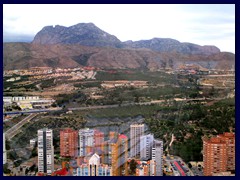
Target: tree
(32, 168)
(212, 91)
(5, 169)
(54, 105)
(190, 165)
(163, 64)
(136, 98)
(34, 152)
(26, 171)
(133, 166)
(170, 62)
(7, 144)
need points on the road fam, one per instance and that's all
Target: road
(105, 106)
(32, 111)
(13, 131)
(131, 104)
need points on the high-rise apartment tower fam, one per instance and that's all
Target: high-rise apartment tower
(219, 154)
(45, 151)
(136, 131)
(68, 143)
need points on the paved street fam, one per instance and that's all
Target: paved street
(130, 104)
(32, 111)
(10, 133)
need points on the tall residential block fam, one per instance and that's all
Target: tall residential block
(113, 134)
(86, 140)
(157, 156)
(136, 131)
(146, 143)
(45, 151)
(98, 138)
(68, 143)
(229, 138)
(219, 154)
(105, 156)
(4, 150)
(119, 155)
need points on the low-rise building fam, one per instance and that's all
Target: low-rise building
(94, 168)
(146, 168)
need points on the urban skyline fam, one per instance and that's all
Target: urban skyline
(111, 158)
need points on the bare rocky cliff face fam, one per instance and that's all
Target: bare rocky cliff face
(85, 44)
(88, 34)
(172, 45)
(83, 33)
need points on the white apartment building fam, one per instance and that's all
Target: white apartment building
(86, 139)
(45, 151)
(136, 131)
(4, 150)
(157, 156)
(146, 143)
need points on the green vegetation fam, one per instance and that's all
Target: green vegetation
(219, 117)
(10, 84)
(130, 94)
(131, 75)
(189, 124)
(160, 86)
(5, 169)
(8, 124)
(128, 111)
(29, 131)
(82, 59)
(63, 99)
(24, 84)
(47, 83)
(133, 165)
(88, 84)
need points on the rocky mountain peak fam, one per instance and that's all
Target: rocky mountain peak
(88, 34)
(83, 33)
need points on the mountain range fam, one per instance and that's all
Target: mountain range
(85, 44)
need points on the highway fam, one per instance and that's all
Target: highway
(116, 105)
(13, 131)
(141, 103)
(32, 111)
(105, 106)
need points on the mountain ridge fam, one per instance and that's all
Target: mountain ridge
(26, 55)
(85, 44)
(88, 34)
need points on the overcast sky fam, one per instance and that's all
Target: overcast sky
(209, 24)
